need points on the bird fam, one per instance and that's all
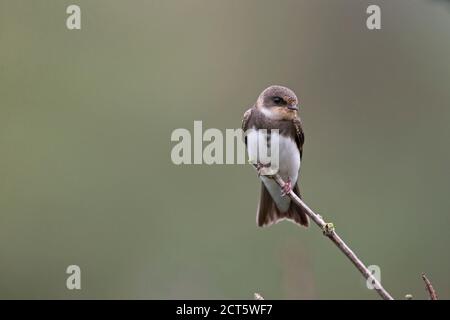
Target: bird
(276, 107)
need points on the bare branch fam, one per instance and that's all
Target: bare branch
(429, 287)
(328, 230)
(258, 296)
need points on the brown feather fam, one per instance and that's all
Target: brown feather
(268, 213)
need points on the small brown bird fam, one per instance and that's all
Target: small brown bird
(277, 108)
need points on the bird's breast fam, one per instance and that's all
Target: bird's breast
(289, 158)
(259, 144)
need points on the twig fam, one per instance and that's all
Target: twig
(258, 296)
(329, 231)
(429, 287)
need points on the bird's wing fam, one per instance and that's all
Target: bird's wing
(300, 136)
(245, 121)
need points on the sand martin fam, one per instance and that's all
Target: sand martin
(277, 108)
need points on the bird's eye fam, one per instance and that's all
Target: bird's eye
(278, 100)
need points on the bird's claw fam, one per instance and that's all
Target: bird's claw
(265, 169)
(287, 188)
(259, 166)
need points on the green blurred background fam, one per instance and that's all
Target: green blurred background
(86, 176)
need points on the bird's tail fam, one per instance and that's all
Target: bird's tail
(269, 213)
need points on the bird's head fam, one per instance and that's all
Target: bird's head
(278, 103)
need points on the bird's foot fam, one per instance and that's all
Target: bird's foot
(287, 188)
(265, 170)
(258, 167)
(328, 228)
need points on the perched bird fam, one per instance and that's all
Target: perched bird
(276, 108)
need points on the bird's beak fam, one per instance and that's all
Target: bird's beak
(293, 107)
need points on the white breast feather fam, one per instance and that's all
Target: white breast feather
(289, 164)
